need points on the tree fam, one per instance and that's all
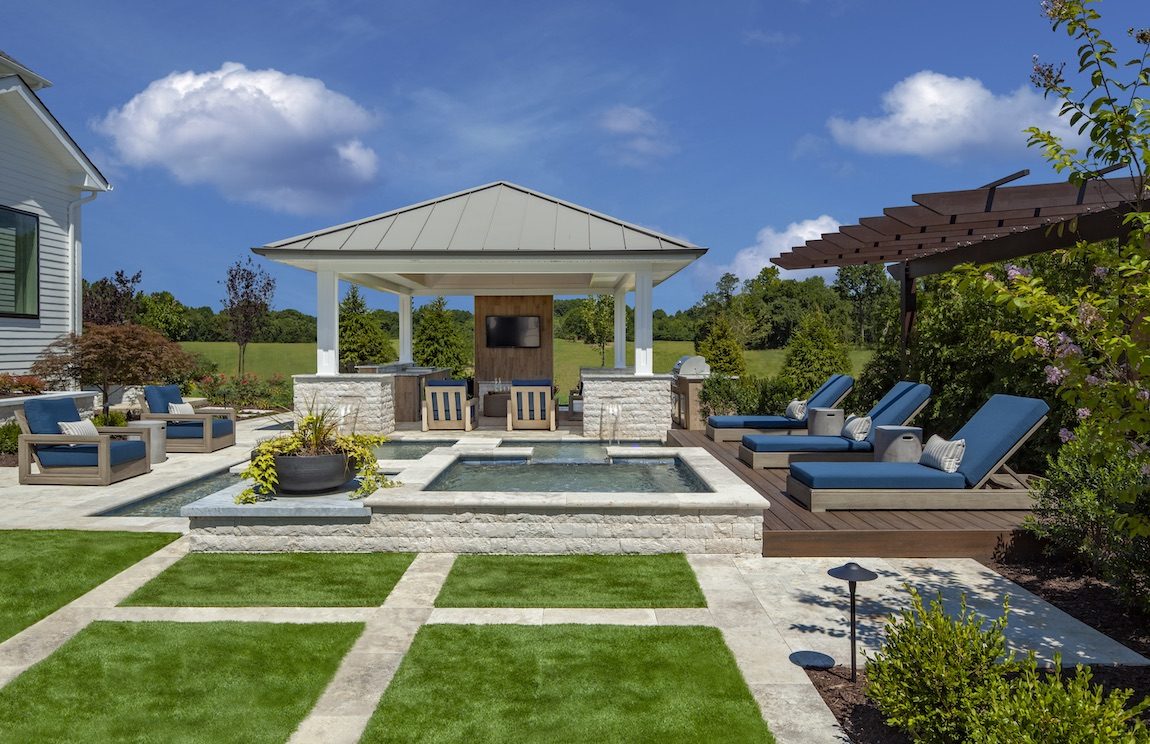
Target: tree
(111, 301)
(249, 296)
(862, 286)
(111, 356)
(813, 355)
(721, 349)
(163, 312)
(597, 314)
(438, 340)
(361, 337)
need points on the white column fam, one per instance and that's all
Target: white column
(405, 328)
(327, 323)
(644, 332)
(620, 327)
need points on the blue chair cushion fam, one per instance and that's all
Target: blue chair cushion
(526, 383)
(991, 432)
(85, 455)
(195, 429)
(45, 414)
(447, 383)
(159, 396)
(832, 391)
(895, 408)
(755, 422)
(873, 475)
(768, 443)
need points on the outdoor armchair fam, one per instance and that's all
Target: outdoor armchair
(734, 428)
(206, 430)
(446, 406)
(45, 456)
(532, 405)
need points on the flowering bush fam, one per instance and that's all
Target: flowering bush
(246, 391)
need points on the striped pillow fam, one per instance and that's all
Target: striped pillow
(83, 428)
(943, 454)
(181, 408)
(856, 428)
(796, 410)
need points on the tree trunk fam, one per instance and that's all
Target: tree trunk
(240, 360)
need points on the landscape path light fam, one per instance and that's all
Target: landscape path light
(852, 573)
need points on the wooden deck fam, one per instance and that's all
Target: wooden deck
(789, 529)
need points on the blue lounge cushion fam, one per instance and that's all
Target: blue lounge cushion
(769, 443)
(221, 427)
(993, 430)
(755, 422)
(529, 383)
(45, 414)
(85, 455)
(831, 392)
(159, 396)
(447, 383)
(874, 475)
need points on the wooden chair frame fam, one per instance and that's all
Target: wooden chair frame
(446, 406)
(546, 407)
(103, 473)
(206, 442)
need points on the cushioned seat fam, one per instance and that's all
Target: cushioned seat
(762, 443)
(84, 455)
(195, 429)
(45, 414)
(159, 396)
(874, 475)
(1001, 423)
(756, 422)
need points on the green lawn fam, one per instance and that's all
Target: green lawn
(263, 360)
(571, 581)
(275, 580)
(175, 682)
(43, 570)
(567, 683)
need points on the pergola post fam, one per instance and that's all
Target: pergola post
(405, 328)
(620, 327)
(327, 323)
(644, 333)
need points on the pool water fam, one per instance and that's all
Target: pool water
(551, 451)
(168, 503)
(410, 450)
(642, 475)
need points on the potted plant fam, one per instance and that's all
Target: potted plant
(314, 457)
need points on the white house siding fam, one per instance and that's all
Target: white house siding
(34, 179)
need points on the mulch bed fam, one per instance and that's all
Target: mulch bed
(1063, 585)
(7, 461)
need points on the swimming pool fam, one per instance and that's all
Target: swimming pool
(619, 475)
(167, 503)
(399, 449)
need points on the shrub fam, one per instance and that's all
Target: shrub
(438, 341)
(933, 671)
(247, 391)
(812, 355)
(111, 418)
(9, 434)
(721, 349)
(21, 384)
(723, 396)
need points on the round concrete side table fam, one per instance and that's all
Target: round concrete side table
(897, 444)
(158, 434)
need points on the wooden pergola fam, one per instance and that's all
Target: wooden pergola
(992, 223)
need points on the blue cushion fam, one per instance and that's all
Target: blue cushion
(769, 443)
(45, 414)
(832, 391)
(446, 383)
(993, 430)
(195, 429)
(897, 405)
(526, 383)
(84, 455)
(755, 422)
(872, 475)
(159, 396)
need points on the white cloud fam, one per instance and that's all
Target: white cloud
(639, 137)
(261, 136)
(770, 243)
(937, 116)
(771, 39)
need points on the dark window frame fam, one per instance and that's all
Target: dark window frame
(36, 217)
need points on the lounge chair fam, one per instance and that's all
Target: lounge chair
(446, 405)
(532, 405)
(206, 430)
(993, 434)
(734, 428)
(70, 460)
(898, 407)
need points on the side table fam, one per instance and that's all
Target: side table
(495, 404)
(825, 422)
(158, 433)
(897, 443)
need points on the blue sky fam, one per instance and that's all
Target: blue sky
(742, 126)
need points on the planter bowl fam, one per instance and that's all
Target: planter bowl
(312, 474)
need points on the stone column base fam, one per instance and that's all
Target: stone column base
(365, 404)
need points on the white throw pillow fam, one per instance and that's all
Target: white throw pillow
(796, 410)
(83, 428)
(181, 408)
(856, 428)
(943, 454)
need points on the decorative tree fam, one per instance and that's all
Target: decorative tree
(598, 323)
(362, 339)
(249, 297)
(862, 286)
(112, 301)
(721, 349)
(113, 356)
(813, 355)
(437, 340)
(162, 311)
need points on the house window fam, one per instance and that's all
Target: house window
(19, 263)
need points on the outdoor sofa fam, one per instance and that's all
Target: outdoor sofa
(206, 430)
(898, 407)
(446, 406)
(532, 405)
(734, 428)
(983, 481)
(47, 457)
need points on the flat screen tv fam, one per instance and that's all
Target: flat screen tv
(513, 331)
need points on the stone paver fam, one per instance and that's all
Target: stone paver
(299, 615)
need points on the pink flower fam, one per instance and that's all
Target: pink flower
(1065, 435)
(1042, 344)
(1083, 413)
(1054, 375)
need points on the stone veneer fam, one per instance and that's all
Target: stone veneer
(366, 403)
(617, 405)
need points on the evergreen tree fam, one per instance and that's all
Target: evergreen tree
(812, 355)
(721, 349)
(438, 341)
(362, 339)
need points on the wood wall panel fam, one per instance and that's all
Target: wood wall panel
(508, 364)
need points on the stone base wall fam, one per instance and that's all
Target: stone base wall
(645, 532)
(365, 403)
(626, 407)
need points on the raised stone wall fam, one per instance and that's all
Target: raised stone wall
(365, 403)
(622, 406)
